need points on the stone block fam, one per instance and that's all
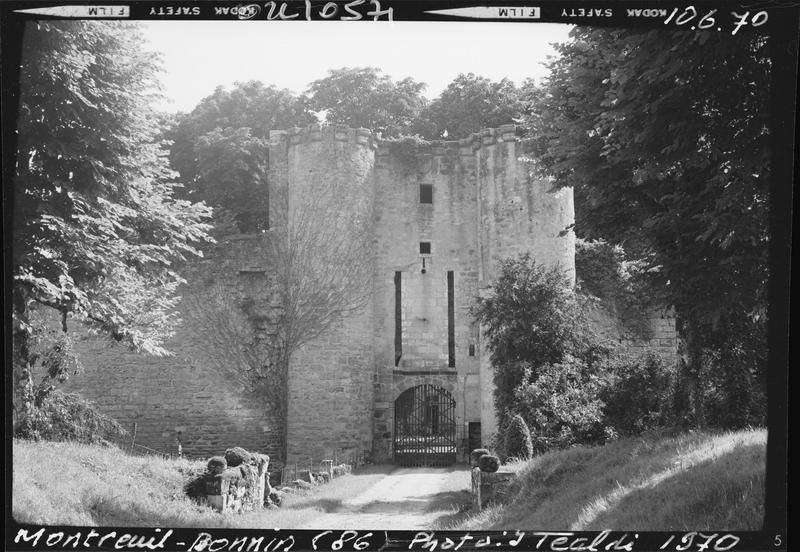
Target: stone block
(489, 487)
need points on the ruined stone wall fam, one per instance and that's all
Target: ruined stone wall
(185, 396)
(652, 331)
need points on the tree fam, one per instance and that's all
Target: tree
(231, 175)
(518, 439)
(97, 230)
(363, 97)
(665, 138)
(319, 273)
(468, 104)
(531, 321)
(219, 148)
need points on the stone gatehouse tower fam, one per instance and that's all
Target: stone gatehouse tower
(441, 218)
(406, 368)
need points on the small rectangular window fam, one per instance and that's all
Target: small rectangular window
(426, 193)
(425, 248)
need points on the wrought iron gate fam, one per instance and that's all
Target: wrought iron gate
(425, 427)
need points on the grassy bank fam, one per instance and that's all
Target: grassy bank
(692, 481)
(74, 484)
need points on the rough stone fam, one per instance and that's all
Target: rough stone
(488, 463)
(276, 497)
(489, 487)
(475, 455)
(216, 465)
(300, 484)
(236, 456)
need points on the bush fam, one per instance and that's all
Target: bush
(518, 439)
(562, 404)
(489, 463)
(68, 417)
(639, 396)
(531, 321)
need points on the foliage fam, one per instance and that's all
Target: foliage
(468, 104)
(64, 416)
(665, 137)
(364, 97)
(97, 229)
(605, 274)
(219, 148)
(518, 439)
(408, 150)
(639, 395)
(531, 321)
(231, 167)
(562, 404)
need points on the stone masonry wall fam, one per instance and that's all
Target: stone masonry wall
(330, 388)
(448, 224)
(656, 332)
(183, 396)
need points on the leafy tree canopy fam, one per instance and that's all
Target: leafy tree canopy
(364, 97)
(665, 138)
(468, 104)
(532, 321)
(219, 148)
(97, 229)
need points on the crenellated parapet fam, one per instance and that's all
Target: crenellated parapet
(324, 133)
(464, 147)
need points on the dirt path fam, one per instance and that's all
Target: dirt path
(406, 498)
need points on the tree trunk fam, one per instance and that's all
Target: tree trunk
(693, 368)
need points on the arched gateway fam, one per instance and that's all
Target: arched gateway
(425, 427)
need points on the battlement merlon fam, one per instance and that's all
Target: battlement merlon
(465, 146)
(324, 133)
(362, 136)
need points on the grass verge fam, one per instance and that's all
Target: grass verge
(77, 484)
(695, 481)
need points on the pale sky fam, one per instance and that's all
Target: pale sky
(200, 55)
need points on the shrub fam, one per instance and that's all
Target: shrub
(639, 396)
(489, 463)
(68, 417)
(518, 439)
(532, 320)
(563, 405)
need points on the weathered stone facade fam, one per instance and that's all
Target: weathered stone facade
(182, 398)
(440, 220)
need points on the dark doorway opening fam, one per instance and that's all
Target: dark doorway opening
(473, 436)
